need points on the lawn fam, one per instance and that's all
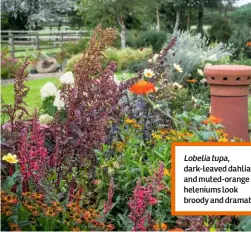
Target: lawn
(33, 98)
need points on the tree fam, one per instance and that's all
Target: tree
(199, 6)
(115, 13)
(242, 15)
(36, 12)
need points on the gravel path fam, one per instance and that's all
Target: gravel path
(35, 76)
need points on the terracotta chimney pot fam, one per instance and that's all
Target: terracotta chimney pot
(229, 88)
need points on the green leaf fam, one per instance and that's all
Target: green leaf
(10, 181)
(198, 118)
(206, 135)
(126, 222)
(245, 223)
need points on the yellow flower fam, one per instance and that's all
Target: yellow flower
(130, 121)
(212, 229)
(156, 136)
(148, 73)
(167, 172)
(12, 159)
(223, 140)
(120, 146)
(172, 131)
(136, 126)
(177, 68)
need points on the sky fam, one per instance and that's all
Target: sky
(242, 2)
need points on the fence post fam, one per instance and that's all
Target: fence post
(80, 34)
(11, 43)
(61, 40)
(37, 41)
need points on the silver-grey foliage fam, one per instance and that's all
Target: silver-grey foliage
(191, 52)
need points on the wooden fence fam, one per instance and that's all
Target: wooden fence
(21, 41)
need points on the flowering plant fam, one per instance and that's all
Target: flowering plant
(8, 65)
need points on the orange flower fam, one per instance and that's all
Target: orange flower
(213, 120)
(192, 81)
(10, 199)
(14, 227)
(110, 227)
(156, 227)
(142, 87)
(176, 229)
(163, 227)
(248, 44)
(75, 229)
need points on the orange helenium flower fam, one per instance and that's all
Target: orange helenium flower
(213, 120)
(142, 87)
(176, 229)
(163, 227)
(192, 81)
(248, 44)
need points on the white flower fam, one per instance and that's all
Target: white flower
(148, 73)
(200, 72)
(48, 90)
(175, 84)
(58, 102)
(177, 68)
(67, 78)
(45, 119)
(204, 80)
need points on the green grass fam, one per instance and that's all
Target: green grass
(34, 51)
(33, 99)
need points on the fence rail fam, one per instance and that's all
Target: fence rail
(39, 40)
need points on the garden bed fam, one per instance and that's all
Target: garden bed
(95, 153)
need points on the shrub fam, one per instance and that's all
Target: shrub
(8, 65)
(123, 57)
(152, 39)
(137, 66)
(72, 61)
(220, 30)
(241, 35)
(190, 52)
(73, 48)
